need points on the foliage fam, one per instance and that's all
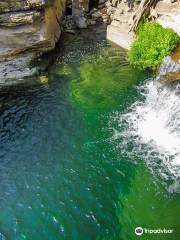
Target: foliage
(153, 43)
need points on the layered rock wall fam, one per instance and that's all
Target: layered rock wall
(27, 29)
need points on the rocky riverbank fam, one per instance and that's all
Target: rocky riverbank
(30, 28)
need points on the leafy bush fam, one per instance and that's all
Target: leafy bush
(152, 44)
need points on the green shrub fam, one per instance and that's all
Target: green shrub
(152, 44)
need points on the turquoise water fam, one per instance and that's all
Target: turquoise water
(62, 174)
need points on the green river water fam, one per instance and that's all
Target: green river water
(62, 174)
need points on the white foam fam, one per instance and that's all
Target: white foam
(153, 126)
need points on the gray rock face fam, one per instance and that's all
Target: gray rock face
(17, 5)
(28, 28)
(80, 21)
(18, 18)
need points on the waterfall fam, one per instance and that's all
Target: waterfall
(150, 129)
(169, 65)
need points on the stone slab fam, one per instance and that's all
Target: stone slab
(119, 36)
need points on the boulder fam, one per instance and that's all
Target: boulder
(169, 71)
(80, 21)
(170, 77)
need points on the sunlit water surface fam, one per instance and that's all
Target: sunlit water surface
(78, 159)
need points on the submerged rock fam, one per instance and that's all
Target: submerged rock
(16, 69)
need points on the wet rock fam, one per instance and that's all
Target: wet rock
(170, 77)
(169, 71)
(81, 22)
(176, 54)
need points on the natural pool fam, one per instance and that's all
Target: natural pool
(68, 168)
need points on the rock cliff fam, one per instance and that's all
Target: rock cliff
(28, 28)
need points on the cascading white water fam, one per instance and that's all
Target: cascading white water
(151, 129)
